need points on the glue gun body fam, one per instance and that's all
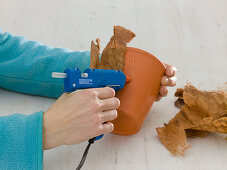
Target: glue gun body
(91, 78)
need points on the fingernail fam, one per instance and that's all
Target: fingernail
(171, 72)
(165, 90)
(164, 80)
(111, 126)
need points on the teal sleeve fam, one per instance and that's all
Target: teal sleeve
(21, 142)
(26, 66)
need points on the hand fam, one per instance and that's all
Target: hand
(168, 79)
(79, 116)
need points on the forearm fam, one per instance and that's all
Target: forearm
(26, 66)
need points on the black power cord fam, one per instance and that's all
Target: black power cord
(90, 141)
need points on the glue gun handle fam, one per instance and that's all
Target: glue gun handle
(98, 137)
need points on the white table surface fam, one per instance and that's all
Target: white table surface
(192, 35)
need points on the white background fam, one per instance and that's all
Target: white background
(192, 35)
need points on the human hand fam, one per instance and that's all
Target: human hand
(79, 116)
(168, 79)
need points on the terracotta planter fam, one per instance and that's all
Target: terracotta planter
(140, 93)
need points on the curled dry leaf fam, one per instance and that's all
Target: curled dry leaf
(213, 103)
(179, 93)
(201, 112)
(179, 103)
(113, 55)
(213, 125)
(95, 53)
(173, 137)
(191, 133)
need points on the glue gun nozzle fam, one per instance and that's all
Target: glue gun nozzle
(58, 75)
(128, 79)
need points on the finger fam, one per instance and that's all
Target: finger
(108, 115)
(110, 104)
(171, 81)
(163, 91)
(104, 93)
(158, 98)
(164, 80)
(170, 70)
(107, 127)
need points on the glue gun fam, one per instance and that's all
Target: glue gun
(92, 78)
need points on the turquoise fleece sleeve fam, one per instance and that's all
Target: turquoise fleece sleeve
(26, 66)
(21, 142)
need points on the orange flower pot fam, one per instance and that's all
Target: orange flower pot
(140, 93)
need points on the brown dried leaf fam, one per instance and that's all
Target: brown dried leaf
(183, 118)
(201, 112)
(179, 103)
(113, 56)
(179, 93)
(191, 133)
(213, 125)
(205, 103)
(199, 105)
(173, 137)
(98, 43)
(95, 53)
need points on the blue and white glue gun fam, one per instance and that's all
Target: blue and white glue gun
(91, 78)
